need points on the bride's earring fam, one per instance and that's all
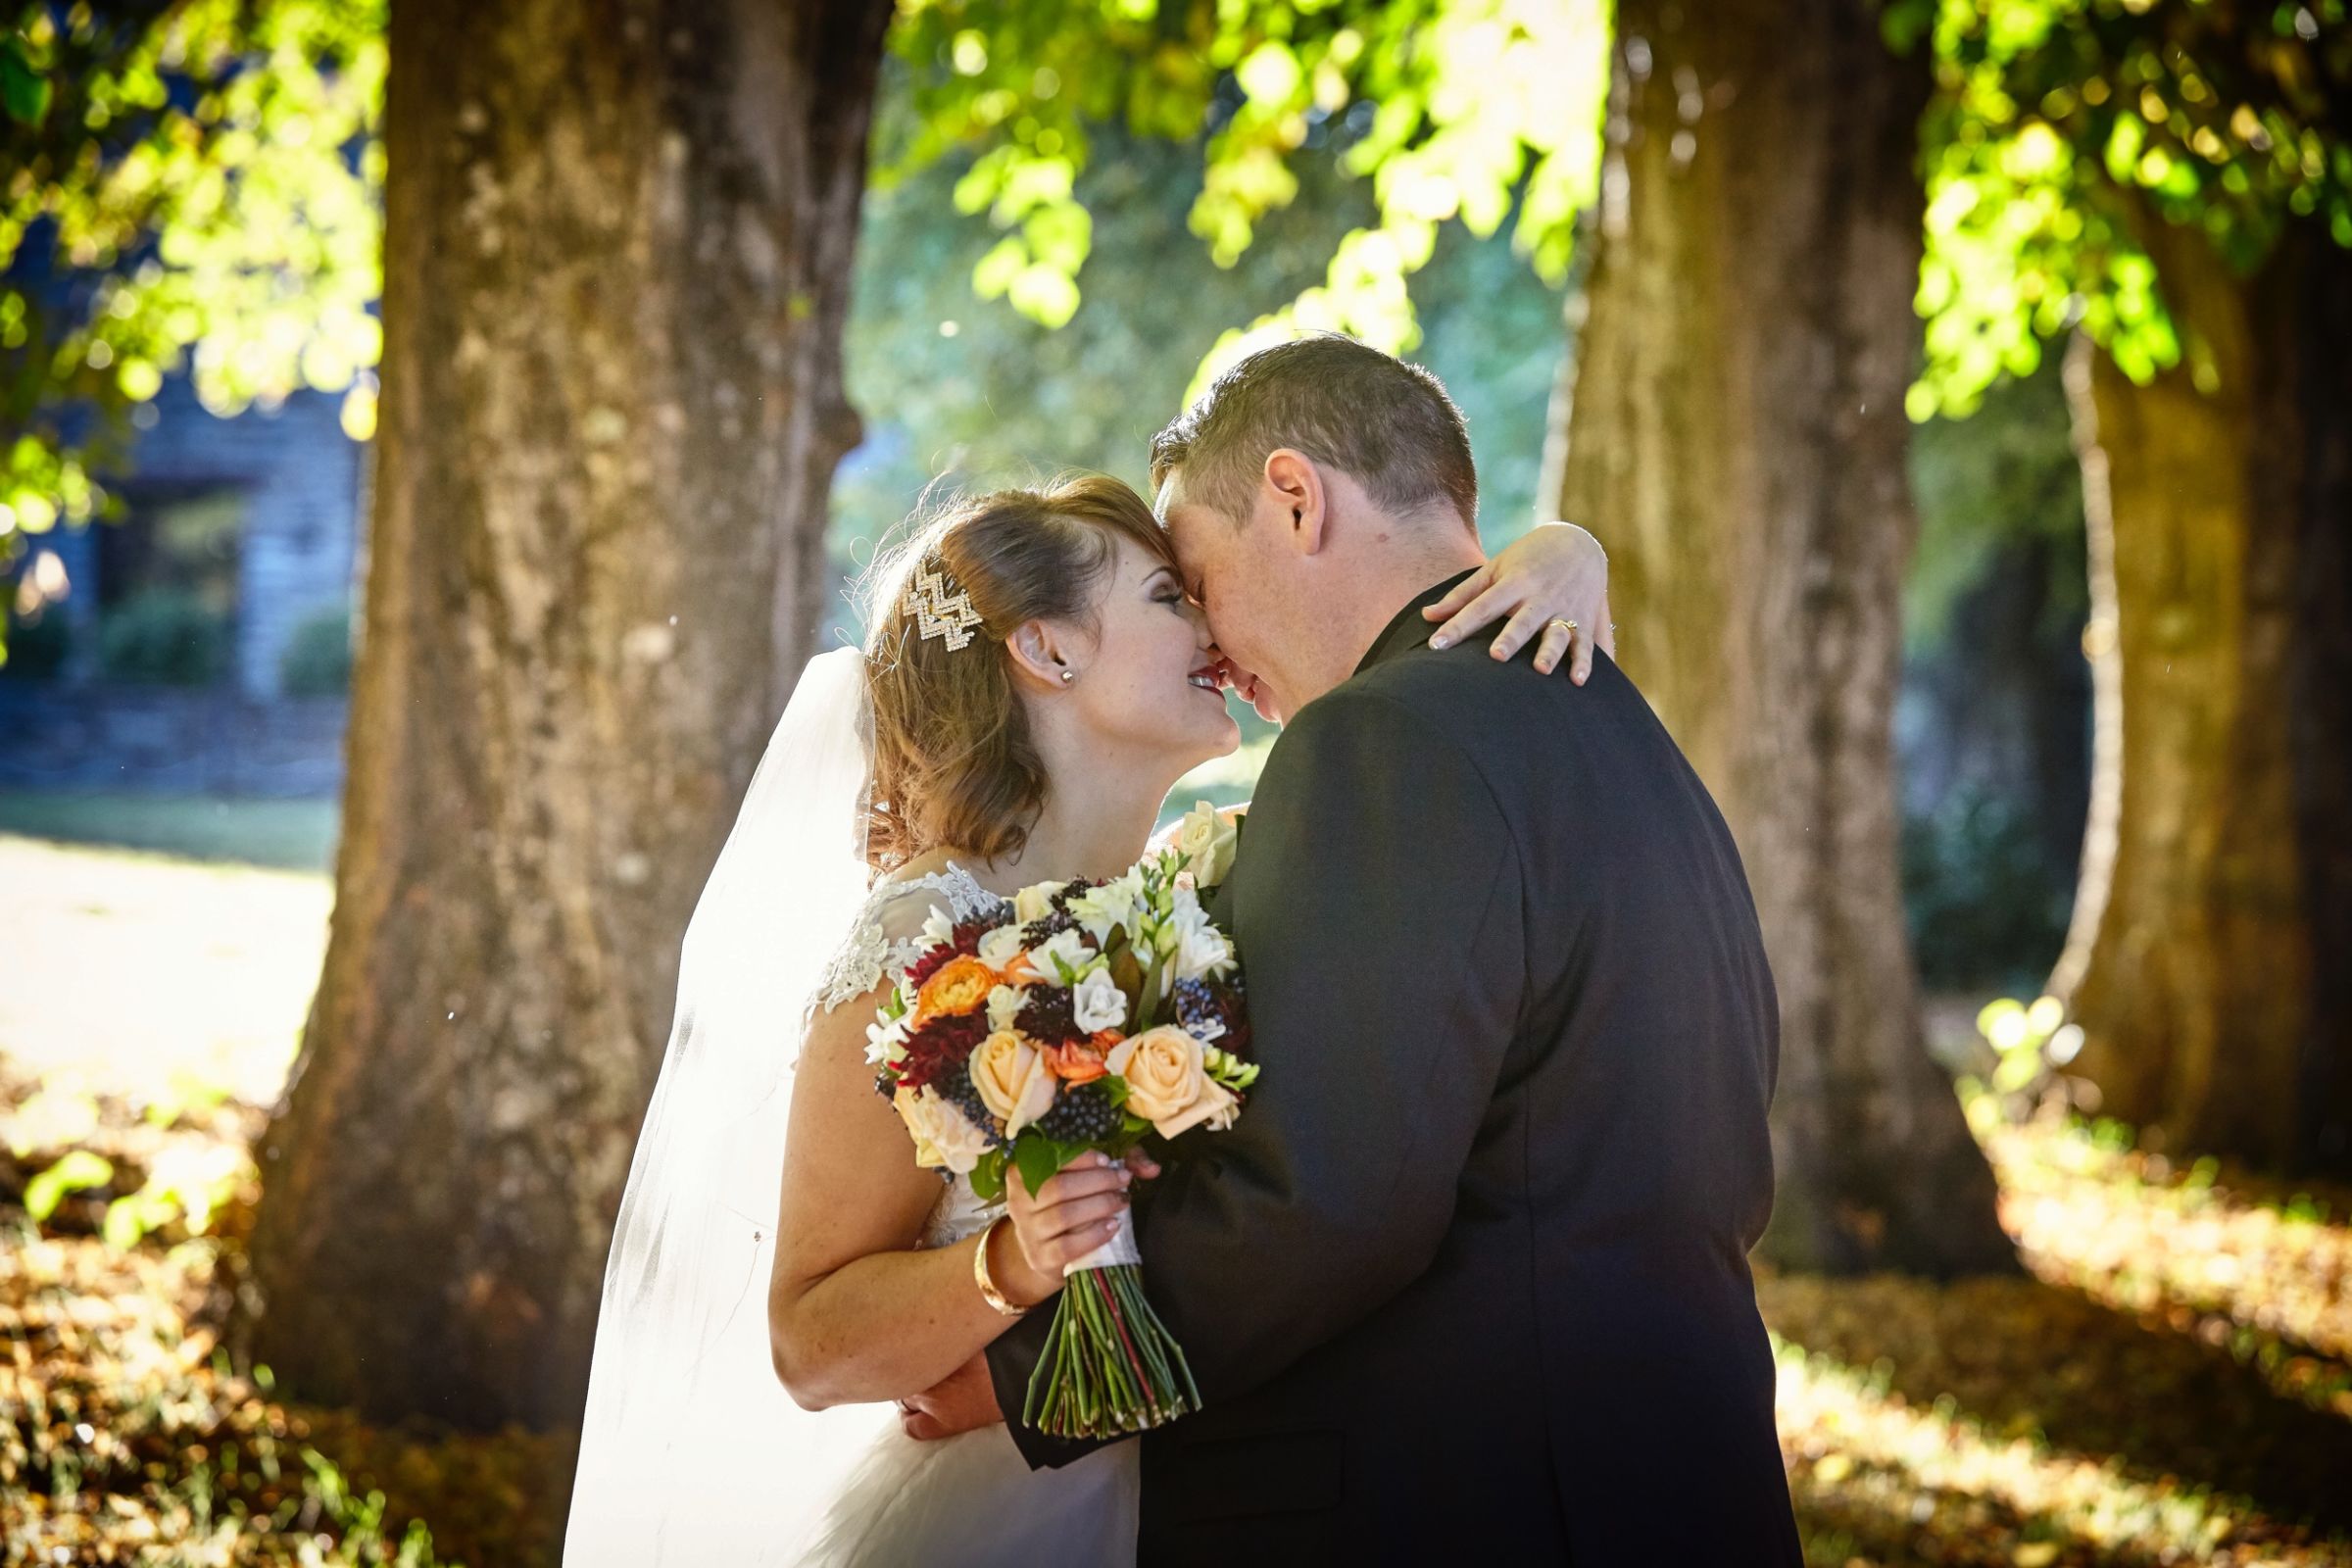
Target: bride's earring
(1068, 676)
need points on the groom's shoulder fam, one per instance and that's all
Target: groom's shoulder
(1477, 700)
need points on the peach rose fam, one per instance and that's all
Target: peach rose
(960, 986)
(1011, 1074)
(1167, 1084)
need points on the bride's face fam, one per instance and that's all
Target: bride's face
(1147, 681)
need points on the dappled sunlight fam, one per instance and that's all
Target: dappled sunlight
(2169, 1389)
(1878, 1479)
(2260, 1271)
(127, 1438)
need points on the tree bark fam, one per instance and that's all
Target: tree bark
(1735, 427)
(619, 241)
(2207, 957)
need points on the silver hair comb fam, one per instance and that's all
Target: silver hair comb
(941, 609)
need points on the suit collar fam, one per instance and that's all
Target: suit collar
(1409, 629)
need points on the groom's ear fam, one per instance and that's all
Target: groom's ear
(1295, 486)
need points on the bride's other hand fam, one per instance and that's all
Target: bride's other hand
(1552, 577)
(1060, 1223)
(965, 1401)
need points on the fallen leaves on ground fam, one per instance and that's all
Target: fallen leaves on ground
(2166, 1388)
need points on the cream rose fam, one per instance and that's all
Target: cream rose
(944, 1136)
(1167, 1083)
(1033, 904)
(1206, 839)
(1011, 1077)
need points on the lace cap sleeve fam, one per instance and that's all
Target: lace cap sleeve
(888, 931)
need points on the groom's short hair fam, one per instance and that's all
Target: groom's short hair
(1387, 424)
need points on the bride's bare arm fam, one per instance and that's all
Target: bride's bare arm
(855, 1313)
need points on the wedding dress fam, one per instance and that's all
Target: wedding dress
(970, 1499)
(692, 1454)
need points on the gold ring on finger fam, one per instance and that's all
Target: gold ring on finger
(1568, 626)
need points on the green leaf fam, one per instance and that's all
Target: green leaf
(23, 91)
(1041, 1159)
(78, 1171)
(987, 1177)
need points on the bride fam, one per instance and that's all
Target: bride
(1033, 684)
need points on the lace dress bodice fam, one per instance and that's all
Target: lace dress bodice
(883, 942)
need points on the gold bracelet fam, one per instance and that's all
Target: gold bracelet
(980, 1275)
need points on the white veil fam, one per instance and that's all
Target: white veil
(691, 1451)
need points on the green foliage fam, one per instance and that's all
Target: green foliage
(1456, 109)
(203, 189)
(167, 636)
(984, 396)
(317, 662)
(2063, 126)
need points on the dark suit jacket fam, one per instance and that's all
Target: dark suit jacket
(1469, 1278)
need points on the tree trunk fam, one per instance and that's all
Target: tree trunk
(1736, 428)
(617, 243)
(2209, 944)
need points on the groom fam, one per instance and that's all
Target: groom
(1470, 1275)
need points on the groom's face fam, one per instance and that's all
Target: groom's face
(1238, 589)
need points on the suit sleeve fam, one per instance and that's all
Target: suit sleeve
(1377, 908)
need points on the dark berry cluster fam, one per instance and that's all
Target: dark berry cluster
(1044, 1015)
(940, 1049)
(1200, 1005)
(1037, 933)
(1082, 1115)
(958, 1090)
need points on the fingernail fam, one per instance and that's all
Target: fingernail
(1441, 642)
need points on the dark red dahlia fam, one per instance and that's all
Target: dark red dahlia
(940, 1047)
(961, 942)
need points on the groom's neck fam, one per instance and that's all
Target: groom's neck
(1403, 560)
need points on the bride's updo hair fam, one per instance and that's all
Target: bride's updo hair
(953, 761)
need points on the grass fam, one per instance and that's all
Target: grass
(291, 835)
(2171, 1384)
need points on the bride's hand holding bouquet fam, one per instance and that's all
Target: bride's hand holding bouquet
(1031, 1050)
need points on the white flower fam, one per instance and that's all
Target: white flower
(1102, 910)
(1034, 904)
(1004, 1006)
(1096, 1003)
(886, 1043)
(1065, 953)
(1206, 839)
(944, 1136)
(1000, 947)
(1199, 951)
(938, 928)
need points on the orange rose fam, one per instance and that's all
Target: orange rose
(1075, 1061)
(960, 986)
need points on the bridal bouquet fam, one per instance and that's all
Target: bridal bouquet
(1079, 1016)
